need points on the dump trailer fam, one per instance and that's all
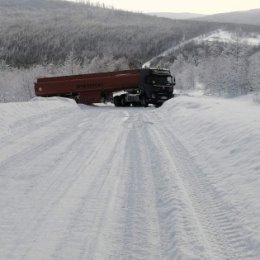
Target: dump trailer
(137, 87)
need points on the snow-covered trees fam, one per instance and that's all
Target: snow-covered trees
(38, 31)
(223, 69)
(18, 84)
(254, 72)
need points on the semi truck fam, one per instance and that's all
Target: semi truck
(136, 87)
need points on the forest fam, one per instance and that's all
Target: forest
(226, 69)
(46, 31)
(53, 37)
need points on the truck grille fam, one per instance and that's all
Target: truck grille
(162, 89)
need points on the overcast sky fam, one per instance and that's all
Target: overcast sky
(191, 6)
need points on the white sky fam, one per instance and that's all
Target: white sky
(191, 6)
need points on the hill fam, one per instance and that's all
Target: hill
(44, 31)
(244, 17)
(48, 31)
(180, 16)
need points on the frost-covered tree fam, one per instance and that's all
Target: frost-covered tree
(72, 64)
(254, 72)
(18, 84)
(225, 69)
(107, 63)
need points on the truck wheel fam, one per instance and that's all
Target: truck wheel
(117, 101)
(144, 102)
(76, 98)
(123, 103)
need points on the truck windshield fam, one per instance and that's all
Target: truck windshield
(160, 80)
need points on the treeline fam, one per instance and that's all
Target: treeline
(17, 84)
(222, 69)
(46, 31)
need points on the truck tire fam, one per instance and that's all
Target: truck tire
(117, 101)
(122, 100)
(143, 101)
(76, 98)
(158, 104)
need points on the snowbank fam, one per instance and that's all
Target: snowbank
(13, 116)
(223, 135)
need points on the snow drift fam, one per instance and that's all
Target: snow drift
(99, 182)
(223, 136)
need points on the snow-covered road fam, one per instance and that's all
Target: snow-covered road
(130, 183)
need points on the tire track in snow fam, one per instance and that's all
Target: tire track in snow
(118, 210)
(91, 215)
(181, 234)
(26, 126)
(65, 174)
(138, 217)
(35, 141)
(222, 232)
(15, 163)
(43, 203)
(129, 190)
(119, 224)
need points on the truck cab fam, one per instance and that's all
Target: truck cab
(155, 87)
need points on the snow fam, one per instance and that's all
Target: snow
(99, 182)
(14, 116)
(231, 37)
(219, 35)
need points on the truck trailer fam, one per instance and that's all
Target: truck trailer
(123, 88)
